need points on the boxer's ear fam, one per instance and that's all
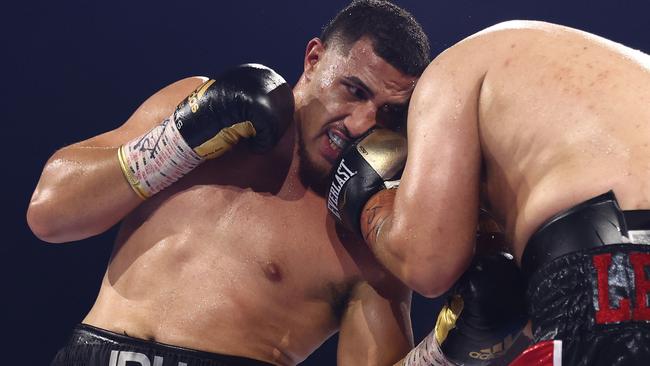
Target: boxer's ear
(313, 54)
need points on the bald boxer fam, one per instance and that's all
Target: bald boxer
(226, 254)
(549, 128)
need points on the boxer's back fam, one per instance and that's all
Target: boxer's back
(563, 116)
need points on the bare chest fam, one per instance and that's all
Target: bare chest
(284, 249)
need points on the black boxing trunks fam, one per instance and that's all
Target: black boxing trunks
(91, 346)
(588, 272)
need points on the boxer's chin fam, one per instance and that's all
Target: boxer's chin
(312, 175)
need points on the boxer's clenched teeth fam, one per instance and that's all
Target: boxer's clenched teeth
(336, 141)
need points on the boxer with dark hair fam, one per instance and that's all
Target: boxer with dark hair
(226, 254)
(548, 127)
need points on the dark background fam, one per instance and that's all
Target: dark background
(72, 69)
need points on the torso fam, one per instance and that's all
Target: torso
(215, 265)
(563, 116)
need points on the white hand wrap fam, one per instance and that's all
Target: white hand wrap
(156, 159)
(427, 353)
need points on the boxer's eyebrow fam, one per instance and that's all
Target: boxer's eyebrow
(360, 84)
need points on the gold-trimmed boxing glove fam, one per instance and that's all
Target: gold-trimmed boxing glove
(250, 102)
(364, 168)
(483, 315)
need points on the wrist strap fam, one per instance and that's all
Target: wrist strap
(447, 317)
(156, 159)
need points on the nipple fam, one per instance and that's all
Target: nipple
(272, 271)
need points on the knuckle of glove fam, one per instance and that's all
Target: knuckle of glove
(493, 311)
(273, 113)
(265, 99)
(493, 289)
(249, 93)
(361, 171)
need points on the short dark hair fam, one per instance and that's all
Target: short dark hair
(395, 34)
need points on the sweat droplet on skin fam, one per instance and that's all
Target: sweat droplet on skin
(329, 76)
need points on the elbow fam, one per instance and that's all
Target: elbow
(52, 223)
(403, 259)
(428, 267)
(42, 215)
(424, 269)
(40, 223)
(427, 284)
(44, 220)
(426, 289)
(432, 276)
(424, 277)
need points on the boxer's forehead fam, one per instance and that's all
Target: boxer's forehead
(360, 63)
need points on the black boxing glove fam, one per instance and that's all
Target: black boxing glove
(484, 313)
(362, 170)
(250, 101)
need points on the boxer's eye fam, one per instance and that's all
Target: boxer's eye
(356, 88)
(357, 92)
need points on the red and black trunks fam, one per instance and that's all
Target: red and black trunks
(589, 287)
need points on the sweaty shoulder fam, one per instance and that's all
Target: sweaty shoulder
(543, 40)
(492, 44)
(468, 60)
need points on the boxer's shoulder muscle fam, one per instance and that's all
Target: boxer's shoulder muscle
(568, 103)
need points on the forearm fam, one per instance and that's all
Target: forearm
(82, 192)
(408, 250)
(376, 222)
(88, 187)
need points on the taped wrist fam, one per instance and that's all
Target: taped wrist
(447, 317)
(427, 353)
(156, 159)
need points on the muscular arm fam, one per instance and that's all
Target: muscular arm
(82, 191)
(376, 325)
(426, 237)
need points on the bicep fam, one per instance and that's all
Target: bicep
(443, 146)
(438, 195)
(149, 114)
(82, 190)
(376, 326)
